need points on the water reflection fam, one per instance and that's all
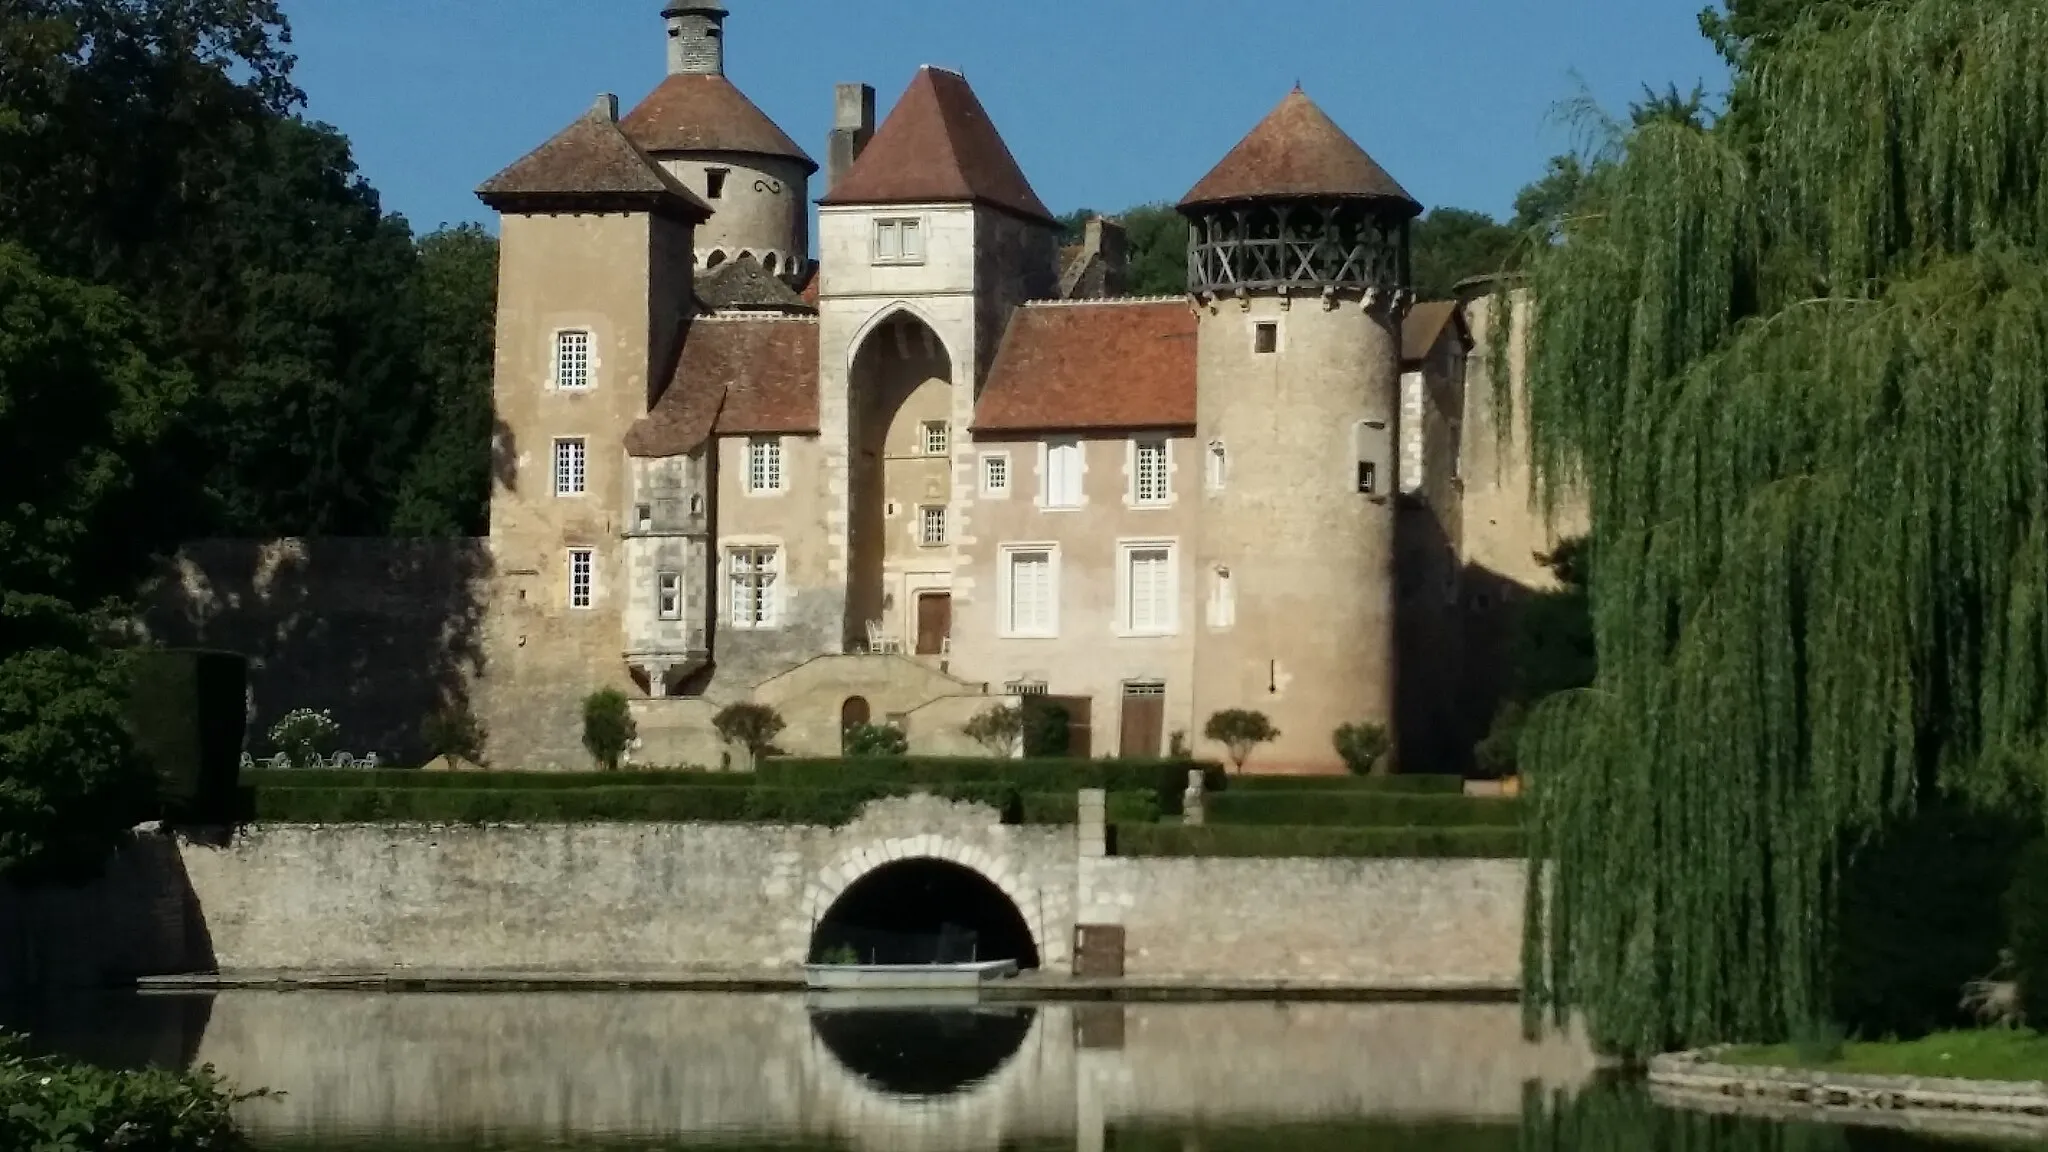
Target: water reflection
(619, 1072)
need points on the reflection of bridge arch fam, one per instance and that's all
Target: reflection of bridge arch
(1008, 1102)
(938, 906)
(924, 1053)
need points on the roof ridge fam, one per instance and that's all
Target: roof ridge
(743, 317)
(1175, 298)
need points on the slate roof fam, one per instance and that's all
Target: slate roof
(1298, 152)
(734, 378)
(1113, 365)
(704, 113)
(742, 285)
(939, 146)
(590, 163)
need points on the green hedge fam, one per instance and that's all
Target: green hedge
(642, 804)
(186, 713)
(1164, 779)
(1419, 784)
(470, 781)
(1065, 808)
(1360, 810)
(1321, 842)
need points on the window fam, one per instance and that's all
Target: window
(1148, 589)
(995, 474)
(1062, 481)
(750, 572)
(572, 360)
(899, 241)
(1368, 477)
(935, 437)
(1030, 592)
(1266, 338)
(1371, 443)
(643, 516)
(764, 464)
(1222, 600)
(570, 473)
(931, 530)
(582, 577)
(1219, 466)
(669, 595)
(1149, 472)
(714, 183)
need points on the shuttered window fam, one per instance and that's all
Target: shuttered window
(1149, 588)
(1032, 592)
(1063, 474)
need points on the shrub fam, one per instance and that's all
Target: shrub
(186, 714)
(1065, 808)
(608, 727)
(57, 1105)
(1362, 747)
(304, 735)
(750, 726)
(607, 804)
(2026, 917)
(1241, 731)
(1341, 843)
(1417, 784)
(452, 731)
(262, 778)
(1164, 779)
(997, 729)
(867, 741)
(1361, 810)
(1497, 757)
(1048, 728)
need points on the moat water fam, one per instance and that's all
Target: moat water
(563, 1072)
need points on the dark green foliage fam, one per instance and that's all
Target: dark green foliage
(186, 715)
(1065, 808)
(608, 727)
(448, 490)
(1166, 780)
(871, 740)
(997, 729)
(1361, 746)
(1240, 730)
(1552, 651)
(1158, 246)
(1048, 728)
(543, 781)
(1454, 244)
(1417, 784)
(49, 1105)
(1793, 365)
(453, 731)
(753, 727)
(638, 803)
(2026, 917)
(1283, 841)
(1360, 809)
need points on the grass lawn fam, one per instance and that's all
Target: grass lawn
(1990, 1054)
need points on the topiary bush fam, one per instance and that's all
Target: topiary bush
(608, 727)
(997, 729)
(1362, 747)
(187, 712)
(1047, 728)
(1240, 730)
(753, 727)
(2026, 918)
(867, 741)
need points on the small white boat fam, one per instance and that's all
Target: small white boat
(907, 976)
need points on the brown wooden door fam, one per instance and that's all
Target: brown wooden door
(934, 623)
(1144, 723)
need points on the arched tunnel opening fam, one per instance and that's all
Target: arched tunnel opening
(937, 1052)
(923, 911)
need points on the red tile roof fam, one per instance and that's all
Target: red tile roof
(939, 146)
(734, 377)
(591, 162)
(1098, 366)
(693, 113)
(1297, 152)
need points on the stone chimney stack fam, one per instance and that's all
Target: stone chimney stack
(696, 37)
(1107, 239)
(606, 107)
(853, 125)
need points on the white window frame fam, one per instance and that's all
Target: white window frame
(901, 229)
(935, 438)
(1279, 336)
(1222, 607)
(766, 461)
(995, 473)
(927, 515)
(1134, 454)
(1045, 484)
(573, 361)
(583, 598)
(668, 595)
(1005, 581)
(1216, 466)
(1126, 623)
(572, 467)
(767, 577)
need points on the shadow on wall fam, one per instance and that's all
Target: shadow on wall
(380, 632)
(140, 918)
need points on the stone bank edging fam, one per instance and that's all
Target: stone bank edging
(1695, 1078)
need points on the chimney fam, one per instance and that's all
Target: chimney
(1106, 238)
(606, 107)
(853, 125)
(696, 37)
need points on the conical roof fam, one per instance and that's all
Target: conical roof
(1298, 153)
(939, 146)
(591, 161)
(692, 112)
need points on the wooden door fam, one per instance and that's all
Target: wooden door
(1144, 722)
(934, 623)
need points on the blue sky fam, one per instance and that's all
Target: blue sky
(1107, 103)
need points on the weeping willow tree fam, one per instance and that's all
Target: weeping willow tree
(1796, 367)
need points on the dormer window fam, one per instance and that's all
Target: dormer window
(714, 183)
(899, 241)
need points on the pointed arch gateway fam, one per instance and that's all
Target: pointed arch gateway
(900, 404)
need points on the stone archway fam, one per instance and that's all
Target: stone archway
(901, 434)
(924, 910)
(984, 888)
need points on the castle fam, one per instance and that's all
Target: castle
(944, 465)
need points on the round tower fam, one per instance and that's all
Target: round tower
(1298, 265)
(707, 134)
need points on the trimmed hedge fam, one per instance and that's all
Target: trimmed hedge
(644, 804)
(413, 778)
(186, 712)
(1361, 810)
(1275, 842)
(1419, 784)
(1065, 808)
(1164, 779)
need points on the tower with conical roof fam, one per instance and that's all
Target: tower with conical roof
(1298, 265)
(705, 132)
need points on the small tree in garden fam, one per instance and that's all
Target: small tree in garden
(1048, 727)
(305, 735)
(608, 727)
(1362, 747)
(453, 732)
(1240, 730)
(997, 729)
(751, 726)
(868, 741)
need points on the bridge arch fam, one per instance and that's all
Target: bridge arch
(926, 900)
